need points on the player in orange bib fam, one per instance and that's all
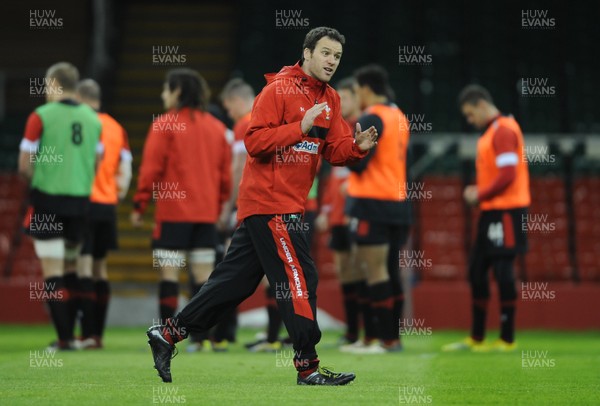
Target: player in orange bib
(110, 185)
(502, 195)
(379, 209)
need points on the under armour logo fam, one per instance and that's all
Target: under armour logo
(301, 108)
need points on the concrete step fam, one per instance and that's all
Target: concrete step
(134, 243)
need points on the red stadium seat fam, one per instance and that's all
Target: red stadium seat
(12, 196)
(440, 232)
(586, 199)
(548, 259)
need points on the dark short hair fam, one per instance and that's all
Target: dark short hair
(346, 84)
(376, 77)
(65, 73)
(89, 89)
(472, 94)
(237, 87)
(314, 35)
(194, 89)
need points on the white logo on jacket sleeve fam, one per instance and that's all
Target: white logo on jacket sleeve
(307, 146)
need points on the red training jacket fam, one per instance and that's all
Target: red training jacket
(282, 161)
(186, 167)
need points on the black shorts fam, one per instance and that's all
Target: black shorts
(42, 225)
(184, 236)
(45, 225)
(101, 230)
(341, 239)
(366, 232)
(56, 216)
(61, 205)
(502, 232)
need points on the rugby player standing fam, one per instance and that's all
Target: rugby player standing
(502, 194)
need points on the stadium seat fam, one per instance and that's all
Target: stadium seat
(548, 258)
(12, 198)
(586, 200)
(440, 231)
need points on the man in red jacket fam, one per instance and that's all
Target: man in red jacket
(295, 118)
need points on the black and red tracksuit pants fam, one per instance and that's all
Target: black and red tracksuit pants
(271, 245)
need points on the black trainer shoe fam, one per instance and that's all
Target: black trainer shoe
(324, 376)
(162, 352)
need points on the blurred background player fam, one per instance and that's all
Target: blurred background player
(502, 195)
(332, 217)
(186, 169)
(58, 154)
(110, 185)
(379, 211)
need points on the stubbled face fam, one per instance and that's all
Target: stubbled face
(235, 107)
(170, 98)
(476, 114)
(322, 63)
(349, 102)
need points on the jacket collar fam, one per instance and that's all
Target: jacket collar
(296, 71)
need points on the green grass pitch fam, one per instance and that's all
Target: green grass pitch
(552, 368)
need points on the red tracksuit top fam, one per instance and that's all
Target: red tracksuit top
(282, 161)
(186, 167)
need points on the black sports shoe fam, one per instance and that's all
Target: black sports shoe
(162, 352)
(323, 376)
